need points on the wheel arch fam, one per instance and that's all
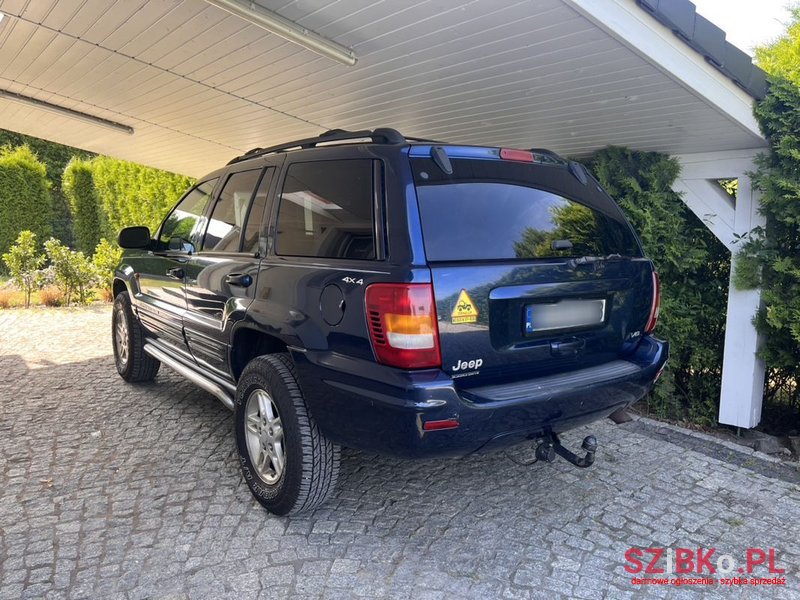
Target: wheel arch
(247, 343)
(119, 287)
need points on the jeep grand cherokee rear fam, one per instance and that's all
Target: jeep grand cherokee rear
(399, 296)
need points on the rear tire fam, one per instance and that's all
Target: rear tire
(133, 363)
(289, 466)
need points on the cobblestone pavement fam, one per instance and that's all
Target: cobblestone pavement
(109, 490)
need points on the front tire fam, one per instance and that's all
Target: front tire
(133, 363)
(289, 466)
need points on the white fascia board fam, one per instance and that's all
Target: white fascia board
(654, 42)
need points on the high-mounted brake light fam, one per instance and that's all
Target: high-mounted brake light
(402, 325)
(518, 155)
(655, 306)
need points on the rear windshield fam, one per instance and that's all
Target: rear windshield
(499, 210)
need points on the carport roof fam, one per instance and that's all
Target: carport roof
(199, 85)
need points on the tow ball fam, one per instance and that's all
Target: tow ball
(551, 446)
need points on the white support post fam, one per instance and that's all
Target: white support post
(742, 370)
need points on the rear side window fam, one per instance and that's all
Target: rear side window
(255, 219)
(176, 231)
(494, 212)
(227, 219)
(327, 210)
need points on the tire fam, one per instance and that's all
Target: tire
(133, 363)
(268, 395)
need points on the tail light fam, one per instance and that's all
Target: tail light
(402, 325)
(655, 306)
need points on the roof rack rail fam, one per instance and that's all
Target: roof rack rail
(381, 135)
(423, 140)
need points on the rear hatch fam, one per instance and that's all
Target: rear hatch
(535, 269)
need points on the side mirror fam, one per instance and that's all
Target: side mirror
(134, 237)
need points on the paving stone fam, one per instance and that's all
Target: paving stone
(110, 490)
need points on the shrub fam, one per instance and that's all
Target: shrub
(51, 296)
(73, 271)
(25, 202)
(87, 214)
(23, 262)
(107, 294)
(5, 298)
(106, 258)
(133, 194)
(694, 268)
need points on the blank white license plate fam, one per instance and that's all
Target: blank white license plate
(567, 314)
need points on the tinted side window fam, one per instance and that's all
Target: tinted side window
(225, 225)
(176, 231)
(326, 210)
(255, 218)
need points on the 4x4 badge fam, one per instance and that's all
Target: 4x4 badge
(465, 310)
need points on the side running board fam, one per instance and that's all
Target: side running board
(198, 379)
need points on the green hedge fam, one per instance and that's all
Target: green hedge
(132, 194)
(87, 215)
(694, 269)
(55, 158)
(25, 202)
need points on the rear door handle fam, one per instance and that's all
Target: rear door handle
(239, 279)
(175, 273)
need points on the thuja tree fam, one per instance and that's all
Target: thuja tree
(694, 268)
(87, 214)
(54, 157)
(771, 257)
(25, 202)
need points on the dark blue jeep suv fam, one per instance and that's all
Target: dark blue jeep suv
(394, 295)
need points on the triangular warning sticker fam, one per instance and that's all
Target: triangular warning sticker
(465, 310)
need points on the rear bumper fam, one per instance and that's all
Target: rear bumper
(375, 408)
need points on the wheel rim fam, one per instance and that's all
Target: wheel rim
(264, 433)
(121, 338)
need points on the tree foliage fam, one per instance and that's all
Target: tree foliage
(782, 57)
(74, 273)
(24, 260)
(55, 158)
(132, 194)
(106, 258)
(25, 202)
(87, 214)
(694, 268)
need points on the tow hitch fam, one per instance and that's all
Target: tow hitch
(551, 446)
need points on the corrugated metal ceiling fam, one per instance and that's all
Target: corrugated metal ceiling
(199, 85)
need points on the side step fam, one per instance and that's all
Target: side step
(199, 380)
